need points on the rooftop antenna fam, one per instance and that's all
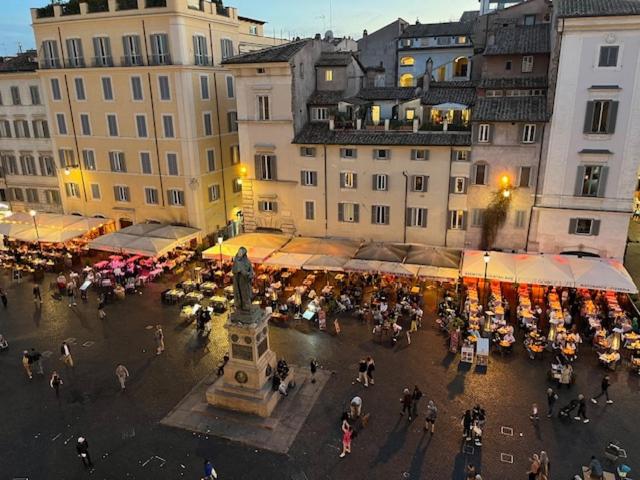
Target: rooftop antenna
(19, 47)
(330, 15)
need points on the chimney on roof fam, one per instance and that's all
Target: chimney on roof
(317, 37)
(365, 33)
(426, 80)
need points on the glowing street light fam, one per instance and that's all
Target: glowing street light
(220, 240)
(487, 258)
(33, 214)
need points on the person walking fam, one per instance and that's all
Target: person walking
(159, 336)
(416, 395)
(3, 297)
(71, 293)
(362, 373)
(545, 466)
(101, 313)
(36, 361)
(535, 416)
(55, 383)
(534, 468)
(347, 432)
(406, 400)
(37, 296)
(82, 447)
(551, 401)
(336, 326)
(582, 410)
(430, 417)
(604, 390)
(355, 407)
(122, 373)
(26, 364)
(371, 366)
(65, 353)
(467, 423)
(313, 368)
(209, 472)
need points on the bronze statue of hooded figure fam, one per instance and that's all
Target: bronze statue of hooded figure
(242, 277)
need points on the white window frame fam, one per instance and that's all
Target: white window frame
(147, 193)
(160, 96)
(308, 178)
(267, 206)
(307, 151)
(205, 91)
(352, 211)
(146, 127)
(56, 91)
(590, 220)
(263, 108)
(133, 90)
(89, 159)
(527, 64)
(61, 120)
(226, 48)
(354, 153)
(520, 218)
(119, 163)
(210, 155)
(418, 217)
(140, 156)
(177, 170)
(484, 130)
(319, 114)
(425, 183)
(385, 156)
(618, 64)
(382, 182)
(123, 189)
(380, 215)
(109, 81)
(93, 196)
(528, 133)
(213, 192)
(266, 166)
(72, 190)
(456, 219)
(230, 82)
(80, 81)
(462, 158)
(349, 180)
(174, 197)
(313, 210)
(86, 116)
(109, 132)
(164, 126)
(459, 184)
(207, 127)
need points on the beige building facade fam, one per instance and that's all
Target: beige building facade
(329, 158)
(142, 114)
(29, 178)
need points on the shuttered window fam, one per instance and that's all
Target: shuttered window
(309, 210)
(584, 226)
(380, 214)
(266, 167)
(417, 217)
(136, 89)
(601, 117)
(308, 178)
(145, 163)
(349, 212)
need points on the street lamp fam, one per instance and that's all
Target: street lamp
(33, 214)
(487, 258)
(220, 240)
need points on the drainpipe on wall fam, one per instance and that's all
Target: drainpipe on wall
(406, 194)
(446, 217)
(535, 193)
(326, 201)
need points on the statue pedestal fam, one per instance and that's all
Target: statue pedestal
(246, 384)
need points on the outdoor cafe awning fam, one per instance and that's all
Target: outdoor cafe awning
(287, 260)
(51, 227)
(141, 239)
(322, 246)
(383, 252)
(357, 265)
(260, 246)
(553, 270)
(326, 262)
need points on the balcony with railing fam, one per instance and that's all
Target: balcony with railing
(454, 119)
(97, 7)
(159, 59)
(77, 62)
(203, 60)
(132, 61)
(102, 62)
(49, 63)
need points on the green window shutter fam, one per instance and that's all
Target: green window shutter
(340, 212)
(356, 213)
(342, 180)
(374, 183)
(373, 214)
(613, 114)
(464, 220)
(452, 184)
(301, 177)
(595, 227)
(355, 180)
(274, 167)
(407, 218)
(425, 217)
(573, 223)
(258, 165)
(579, 180)
(588, 118)
(413, 154)
(602, 183)
(387, 215)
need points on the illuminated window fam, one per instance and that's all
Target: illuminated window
(328, 75)
(407, 61)
(461, 67)
(410, 114)
(406, 80)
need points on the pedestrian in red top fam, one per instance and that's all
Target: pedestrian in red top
(346, 439)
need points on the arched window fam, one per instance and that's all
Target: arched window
(461, 67)
(407, 61)
(406, 80)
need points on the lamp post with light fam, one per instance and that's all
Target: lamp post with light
(33, 214)
(220, 240)
(487, 258)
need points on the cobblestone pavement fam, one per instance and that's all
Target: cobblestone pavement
(38, 432)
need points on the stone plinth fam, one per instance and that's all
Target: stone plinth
(246, 385)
